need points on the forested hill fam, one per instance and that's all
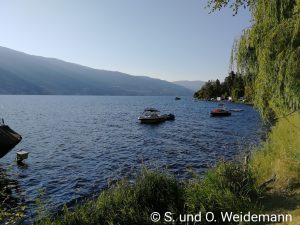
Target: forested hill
(21, 73)
(233, 86)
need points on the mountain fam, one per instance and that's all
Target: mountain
(21, 73)
(191, 85)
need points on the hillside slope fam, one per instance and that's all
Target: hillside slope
(191, 85)
(21, 73)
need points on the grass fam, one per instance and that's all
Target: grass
(227, 187)
(280, 158)
(128, 203)
(280, 155)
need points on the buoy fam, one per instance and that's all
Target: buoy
(21, 155)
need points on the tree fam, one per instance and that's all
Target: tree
(234, 4)
(232, 86)
(218, 88)
(268, 53)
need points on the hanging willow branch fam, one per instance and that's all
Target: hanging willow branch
(268, 55)
(233, 4)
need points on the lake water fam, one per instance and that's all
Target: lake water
(78, 144)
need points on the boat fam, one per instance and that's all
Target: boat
(220, 112)
(152, 115)
(8, 139)
(177, 98)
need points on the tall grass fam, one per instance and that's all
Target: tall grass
(227, 187)
(128, 204)
(280, 155)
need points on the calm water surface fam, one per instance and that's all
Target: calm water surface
(78, 144)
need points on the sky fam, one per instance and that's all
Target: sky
(165, 39)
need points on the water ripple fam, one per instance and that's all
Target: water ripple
(79, 145)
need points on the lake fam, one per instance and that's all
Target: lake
(80, 144)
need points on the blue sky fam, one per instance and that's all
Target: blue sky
(166, 39)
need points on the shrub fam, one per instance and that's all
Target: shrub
(227, 188)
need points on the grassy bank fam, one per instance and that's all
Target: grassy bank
(280, 155)
(269, 182)
(228, 187)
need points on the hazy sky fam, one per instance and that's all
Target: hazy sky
(166, 39)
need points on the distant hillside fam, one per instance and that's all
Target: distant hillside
(191, 85)
(21, 73)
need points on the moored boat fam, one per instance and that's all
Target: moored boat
(220, 112)
(8, 139)
(152, 115)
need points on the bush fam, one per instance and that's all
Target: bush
(227, 188)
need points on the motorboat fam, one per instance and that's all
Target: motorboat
(8, 139)
(177, 98)
(152, 115)
(220, 112)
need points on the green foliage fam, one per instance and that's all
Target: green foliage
(41, 211)
(280, 155)
(128, 204)
(233, 86)
(234, 4)
(268, 55)
(229, 187)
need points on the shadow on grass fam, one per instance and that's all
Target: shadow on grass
(280, 202)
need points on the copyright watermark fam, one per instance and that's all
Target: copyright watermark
(211, 217)
(168, 217)
(155, 217)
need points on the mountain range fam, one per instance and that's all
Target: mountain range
(192, 85)
(21, 73)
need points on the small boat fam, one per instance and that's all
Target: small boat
(8, 139)
(177, 98)
(152, 115)
(220, 112)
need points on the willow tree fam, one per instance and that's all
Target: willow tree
(268, 53)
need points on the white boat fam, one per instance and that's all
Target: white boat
(152, 115)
